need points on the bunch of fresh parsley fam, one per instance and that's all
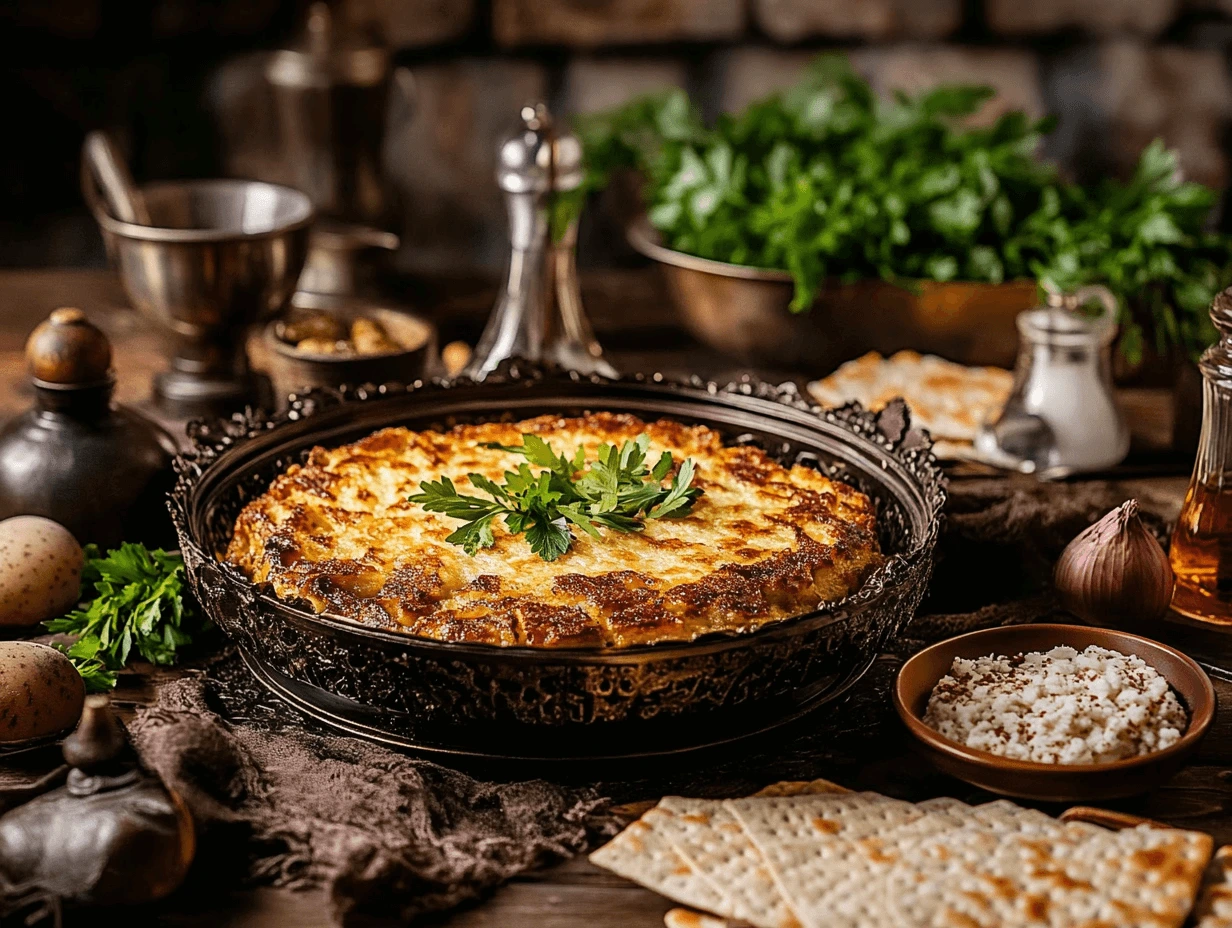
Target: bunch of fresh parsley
(827, 181)
(134, 602)
(616, 491)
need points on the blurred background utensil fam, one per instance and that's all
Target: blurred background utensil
(215, 257)
(332, 94)
(337, 253)
(101, 156)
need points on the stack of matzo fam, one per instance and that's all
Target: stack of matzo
(948, 399)
(862, 860)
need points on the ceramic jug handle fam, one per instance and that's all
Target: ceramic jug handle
(1105, 297)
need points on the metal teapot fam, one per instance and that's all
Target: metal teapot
(114, 834)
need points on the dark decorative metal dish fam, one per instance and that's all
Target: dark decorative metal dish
(538, 704)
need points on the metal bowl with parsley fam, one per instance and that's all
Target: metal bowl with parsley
(827, 186)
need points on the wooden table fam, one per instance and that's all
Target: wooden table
(634, 320)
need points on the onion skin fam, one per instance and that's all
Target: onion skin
(1115, 574)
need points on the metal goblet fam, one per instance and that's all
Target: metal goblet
(218, 256)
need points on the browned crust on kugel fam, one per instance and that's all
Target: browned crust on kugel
(763, 543)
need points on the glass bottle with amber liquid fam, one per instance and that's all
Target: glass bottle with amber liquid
(1202, 542)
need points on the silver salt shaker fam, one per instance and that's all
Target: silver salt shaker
(539, 314)
(1062, 416)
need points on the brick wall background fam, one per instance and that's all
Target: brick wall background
(177, 79)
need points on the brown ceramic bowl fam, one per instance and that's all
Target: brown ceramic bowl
(293, 370)
(1053, 782)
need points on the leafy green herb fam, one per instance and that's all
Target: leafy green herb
(616, 491)
(94, 673)
(827, 181)
(134, 604)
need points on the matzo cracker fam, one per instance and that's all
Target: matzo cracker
(948, 399)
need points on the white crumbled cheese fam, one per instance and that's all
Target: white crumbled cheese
(1062, 707)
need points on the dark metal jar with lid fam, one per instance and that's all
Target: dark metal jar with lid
(100, 470)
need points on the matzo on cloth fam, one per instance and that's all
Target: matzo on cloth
(712, 842)
(862, 860)
(950, 400)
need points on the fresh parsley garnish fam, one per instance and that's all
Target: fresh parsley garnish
(134, 603)
(829, 182)
(616, 491)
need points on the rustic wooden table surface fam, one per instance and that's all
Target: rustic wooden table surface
(634, 320)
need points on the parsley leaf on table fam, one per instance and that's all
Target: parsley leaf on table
(616, 491)
(133, 604)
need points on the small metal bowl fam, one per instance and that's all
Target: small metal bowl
(293, 370)
(219, 256)
(1053, 782)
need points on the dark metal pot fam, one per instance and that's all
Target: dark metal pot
(518, 702)
(100, 470)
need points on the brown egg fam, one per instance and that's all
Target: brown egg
(40, 570)
(41, 692)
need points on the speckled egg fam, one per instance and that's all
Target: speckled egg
(41, 692)
(40, 570)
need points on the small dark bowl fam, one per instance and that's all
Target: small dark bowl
(1053, 782)
(294, 370)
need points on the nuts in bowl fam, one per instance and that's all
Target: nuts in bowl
(317, 332)
(327, 341)
(1055, 712)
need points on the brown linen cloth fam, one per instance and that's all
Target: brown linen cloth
(385, 834)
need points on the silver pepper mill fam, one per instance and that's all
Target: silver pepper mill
(539, 314)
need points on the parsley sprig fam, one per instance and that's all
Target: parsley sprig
(135, 603)
(616, 491)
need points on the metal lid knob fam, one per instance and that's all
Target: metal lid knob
(1221, 312)
(536, 158)
(69, 350)
(329, 57)
(99, 739)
